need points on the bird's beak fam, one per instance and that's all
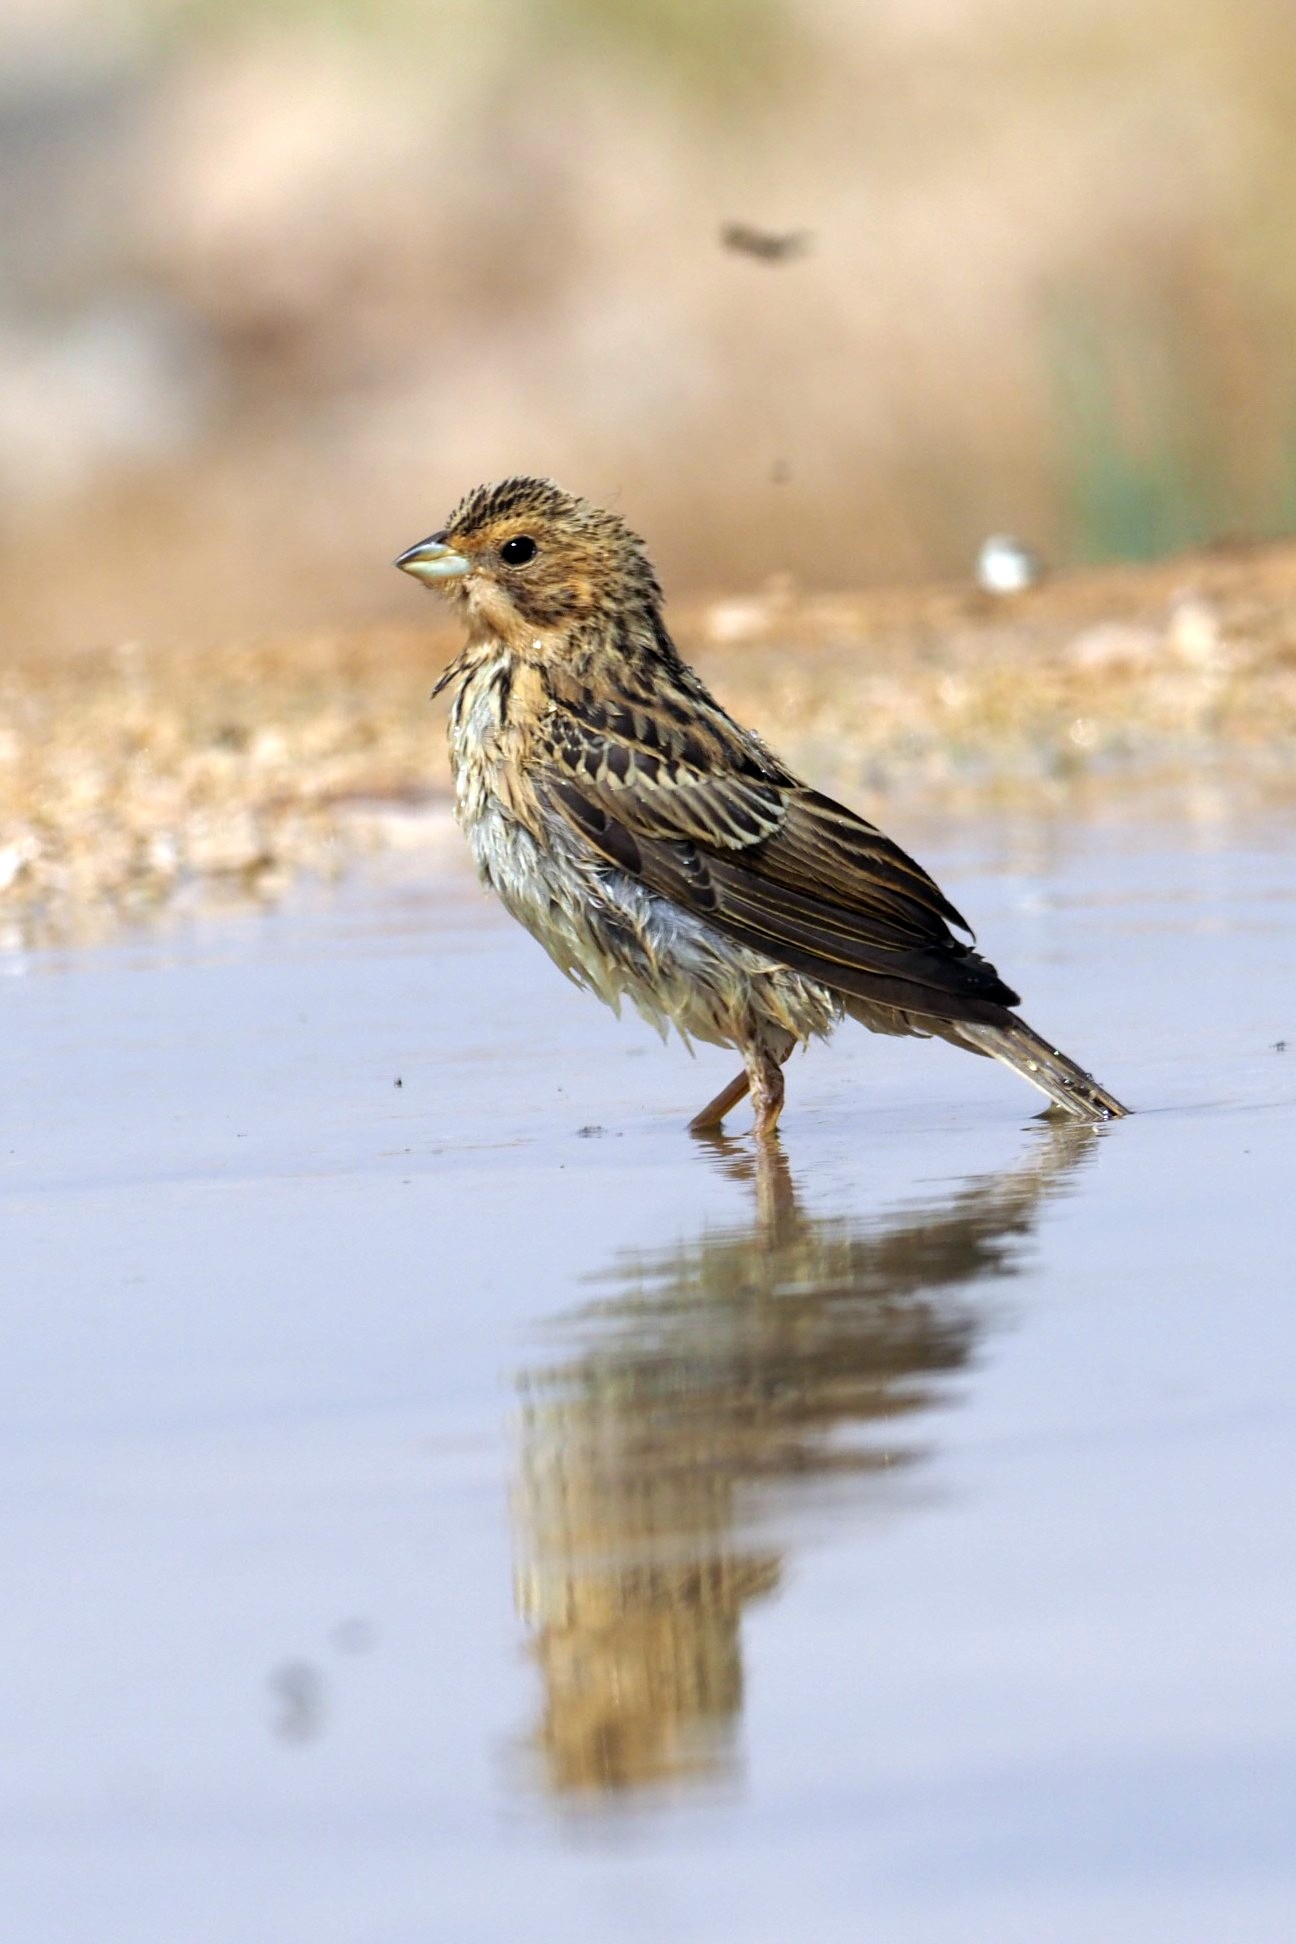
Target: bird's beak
(432, 560)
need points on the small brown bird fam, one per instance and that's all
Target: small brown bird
(657, 849)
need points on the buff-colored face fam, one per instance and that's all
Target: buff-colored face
(528, 560)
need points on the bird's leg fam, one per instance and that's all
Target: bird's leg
(762, 1077)
(715, 1110)
(765, 1079)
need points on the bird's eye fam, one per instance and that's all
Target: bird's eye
(519, 550)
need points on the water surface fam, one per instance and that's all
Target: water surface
(441, 1500)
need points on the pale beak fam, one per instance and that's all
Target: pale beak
(432, 560)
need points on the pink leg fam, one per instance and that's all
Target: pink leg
(715, 1110)
(765, 1074)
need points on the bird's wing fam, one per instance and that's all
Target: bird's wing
(675, 793)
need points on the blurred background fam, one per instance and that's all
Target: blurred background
(281, 279)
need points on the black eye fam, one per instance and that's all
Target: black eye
(519, 550)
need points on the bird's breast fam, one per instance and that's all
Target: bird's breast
(489, 737)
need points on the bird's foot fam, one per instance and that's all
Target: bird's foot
(766, 1077)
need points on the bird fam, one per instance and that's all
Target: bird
(658, 850)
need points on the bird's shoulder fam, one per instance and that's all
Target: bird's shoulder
(638, 757)
(653, 740)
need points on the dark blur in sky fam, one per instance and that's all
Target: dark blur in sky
(279, 281)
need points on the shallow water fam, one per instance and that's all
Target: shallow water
(468, 1506)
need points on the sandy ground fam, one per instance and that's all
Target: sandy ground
(135, 774)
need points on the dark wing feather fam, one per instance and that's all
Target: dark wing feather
(685, 801)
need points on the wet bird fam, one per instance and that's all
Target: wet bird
(657, 849)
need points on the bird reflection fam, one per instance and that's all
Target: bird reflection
(720, 1375)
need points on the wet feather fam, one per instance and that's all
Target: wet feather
(657, 849)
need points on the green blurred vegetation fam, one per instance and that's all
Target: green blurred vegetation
(1147, 458)
(726, 55)
(1136, 484)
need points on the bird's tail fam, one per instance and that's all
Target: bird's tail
(1017, 1045)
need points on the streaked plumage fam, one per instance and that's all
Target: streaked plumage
(657, 850)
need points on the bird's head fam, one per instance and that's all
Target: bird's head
(533, 565)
